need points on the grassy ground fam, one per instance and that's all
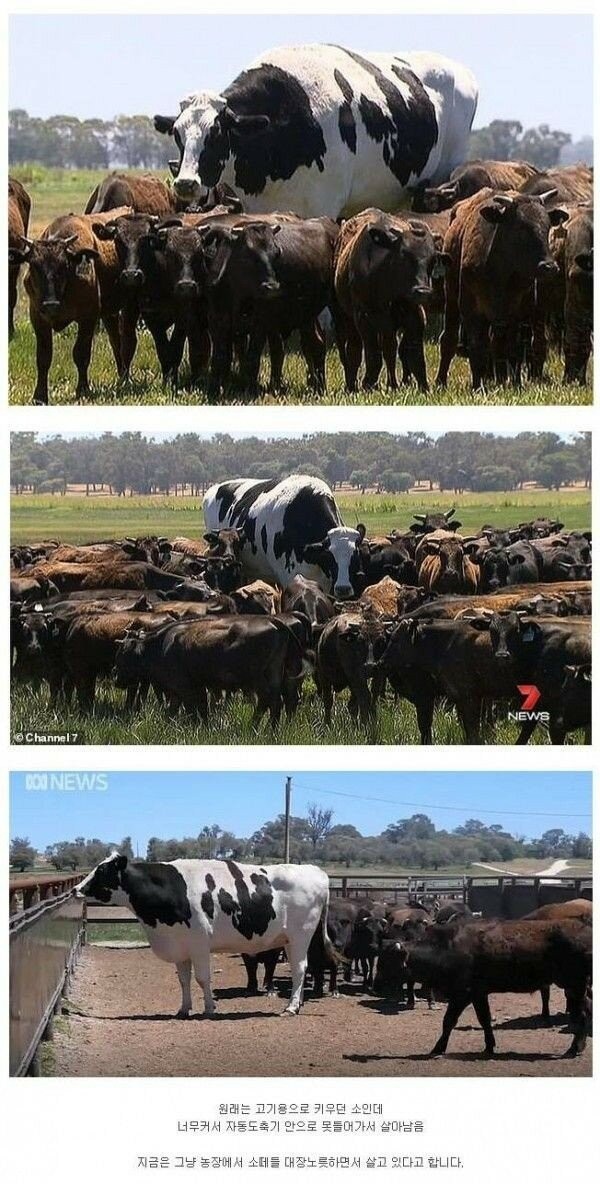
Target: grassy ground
(78, 519)
(56, 192)
(109, 723)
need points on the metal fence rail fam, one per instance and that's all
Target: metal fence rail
(45, 941)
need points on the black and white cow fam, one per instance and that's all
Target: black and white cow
(290, 527)
(325, 131)
(191, 908)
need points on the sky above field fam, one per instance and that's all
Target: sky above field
(537, 69)
(171, 805)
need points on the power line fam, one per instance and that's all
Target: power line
(430, 806)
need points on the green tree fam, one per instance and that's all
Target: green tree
(22, 854)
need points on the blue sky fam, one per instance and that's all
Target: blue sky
(173, 804)
(534, 68)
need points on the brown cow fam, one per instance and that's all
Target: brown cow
(257, 597)
(146, 194)
(579, 909)
(384, 597)
(72, 278)
(468, 179)
(384, 264)
(90, 649)
(468, 962)
(195, 548)
(347, 654)
(496, 251)
(443, 565)
(19, 209)
(574, 183)
(571, 296)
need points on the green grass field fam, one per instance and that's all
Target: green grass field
(109, 723)
(79, 519)
(56, 192)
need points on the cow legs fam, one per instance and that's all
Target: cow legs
(327, 694)
(13, 275)
(389, 345)
(314, 349)
(412, 352)
(202, 976)
(577, 1013)
(184, 974)
(454, 1010)
(128, 332)
(43, 356)
(372, 350)
(545, 995)
(111, 322)
(352, 355)
(449, 337)
(276, 355)
(298, 960)
(482, 1011)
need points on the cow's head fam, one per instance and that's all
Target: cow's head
(338, 556)
(206, 132)
(226, 543)
(248, 254)
(494, 568)
(53, 263)
(512, 634)
(131, 237)
(105, 882)
(182, 256)
(526, 220)
(409, 255)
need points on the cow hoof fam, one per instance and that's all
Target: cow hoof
(182, 1015)
(488, 1053)
(335, 994)
(288, 1011)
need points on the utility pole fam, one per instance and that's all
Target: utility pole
(286, 841)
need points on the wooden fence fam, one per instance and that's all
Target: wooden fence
(45, 941)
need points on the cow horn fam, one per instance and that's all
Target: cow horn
(71, 238)
(549, 195)
(502, 199)
(420, 517)
(448, 514)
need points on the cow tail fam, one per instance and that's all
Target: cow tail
(328, 947)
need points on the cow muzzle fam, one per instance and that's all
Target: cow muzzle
(270, 288)
(343, 591)
(186, 289)
(132, 277)
(50, 306)
(547, 267)
(186, 187)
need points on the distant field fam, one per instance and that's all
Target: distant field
(526, 867)
(55, 192)
(74, 519)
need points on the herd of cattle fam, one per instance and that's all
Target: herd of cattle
(279, 590)
(502, 252)
(192, 908)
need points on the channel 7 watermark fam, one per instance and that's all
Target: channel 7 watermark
(531, 697)
(66, 782)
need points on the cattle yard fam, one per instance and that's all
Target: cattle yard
(122, 1024)
(53, 193)
(88, 998)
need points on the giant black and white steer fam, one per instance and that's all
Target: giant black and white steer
(323, 130)
(191, 908)
(290, 527)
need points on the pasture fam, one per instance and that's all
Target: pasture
(55, 192)
(79, 519)
(122, 1023)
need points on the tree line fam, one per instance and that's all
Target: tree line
(132, 463)
(413, 842)
(130, 141)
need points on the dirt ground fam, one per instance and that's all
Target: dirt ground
(128, 1000)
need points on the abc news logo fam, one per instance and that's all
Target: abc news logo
(531, 697)
(67, 782)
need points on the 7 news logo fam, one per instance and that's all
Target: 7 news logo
(531, 697)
